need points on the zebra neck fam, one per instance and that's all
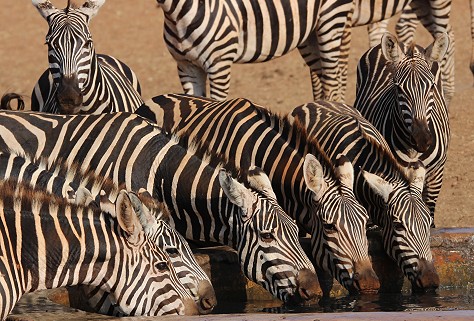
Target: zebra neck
(190, 188)
(61, 250)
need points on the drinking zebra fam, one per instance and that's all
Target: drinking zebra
(392, 195)
(206, 203)
(78, 80)
(239, 128)
(56, 178)
(207, 37)
(399, 91)
(324, 206)
(43, 246)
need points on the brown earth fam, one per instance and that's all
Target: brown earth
(132, 32)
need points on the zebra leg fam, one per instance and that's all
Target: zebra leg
(406, 26)
(193, 78)
(433, 183)
(375, 31)
(313, 60)
(219, 79)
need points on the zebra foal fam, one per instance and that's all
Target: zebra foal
(43, 246)
(399, 91)
(206, 203)
(207, 37)
(66, 181)
(78, 80)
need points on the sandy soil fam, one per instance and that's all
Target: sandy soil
(132, 32)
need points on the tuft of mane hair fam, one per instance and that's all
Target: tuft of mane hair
(5, 103)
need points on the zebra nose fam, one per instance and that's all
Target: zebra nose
(207, 297)
(69, 94)
(307, 285)
(190, 307)
(365, 279)
(427, 278)
(421, 135)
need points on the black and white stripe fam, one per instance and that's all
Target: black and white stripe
(54, 177)
(206, 203)
(323, 203)
(207, 37)
(78, 80)
(391, 193)
(43, 244)
(399, 91)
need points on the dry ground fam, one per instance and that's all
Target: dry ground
(132, 32)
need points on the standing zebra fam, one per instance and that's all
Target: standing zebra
(399, 91)
(325, 206)
(206, 203)
(207, 37)
(43, 246)
(392, 196)
(78, 80)
(434, 15)
(61, 180)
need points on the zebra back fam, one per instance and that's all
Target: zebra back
(59, 179)
(201, 198)
(249, 135)
(391, 192)
(399, 90)
(78, 80)
(44, 246)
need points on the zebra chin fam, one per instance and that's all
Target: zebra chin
(364, 279)
(307, 288)
(425, 278)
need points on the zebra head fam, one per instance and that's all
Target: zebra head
(152, 217)
(155, 288)
(71, 52)
(267, 240)
(405, 224)
(339, 241)
(415, 78)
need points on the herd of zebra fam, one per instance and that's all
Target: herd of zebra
(101, 189)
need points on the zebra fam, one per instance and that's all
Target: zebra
(399, 91)
(206, 202)
(392, 193)
(434, 14)
(250, 135)
(58, 179)
(207, 37)
(43, 247)
(78, 80)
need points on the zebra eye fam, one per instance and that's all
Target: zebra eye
(172, 251)
(330, 228)
(398, 226)
(162, 266)
(266, 237)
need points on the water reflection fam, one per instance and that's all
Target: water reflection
(442, 300)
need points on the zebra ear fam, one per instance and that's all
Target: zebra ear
(378, 185)
(83, 197)
(91, 7)
(345, 171)
(416, 173)
(314, 176)
(390, 48)
(437, 50)
(237, 193)
(259, 181)
(126, 216)
(44, 7)
(143, 213)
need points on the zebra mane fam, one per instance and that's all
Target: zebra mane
(386, 154)
(300, 139)
(86, 177)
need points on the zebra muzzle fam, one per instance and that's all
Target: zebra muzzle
(421, 136)
(365, 279)
(69, 94)
(307, 285)
(207, 297)
(427, 279)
